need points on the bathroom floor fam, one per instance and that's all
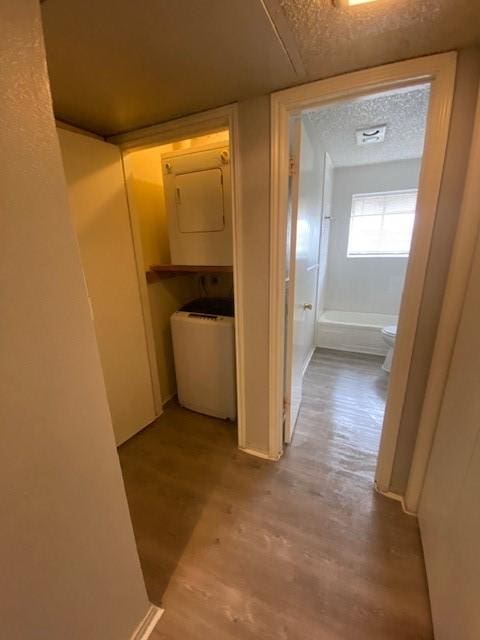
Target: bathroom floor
(239, 548)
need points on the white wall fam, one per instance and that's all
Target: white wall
(69, 564)
(369, 285)
(327, 197)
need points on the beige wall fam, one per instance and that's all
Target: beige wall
(254, 148)
(98, 203)
(447, 216)
(69, 565)
(449, 515)
(144, 170)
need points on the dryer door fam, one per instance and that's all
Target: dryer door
(199, 201)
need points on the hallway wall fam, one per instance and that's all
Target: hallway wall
(451, 193)
(69, 563)
(449, 515)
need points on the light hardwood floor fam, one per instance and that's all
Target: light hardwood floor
(239, 548)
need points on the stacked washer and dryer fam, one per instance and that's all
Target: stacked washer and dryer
(199, 210)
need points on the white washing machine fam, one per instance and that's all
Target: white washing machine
(203, 333)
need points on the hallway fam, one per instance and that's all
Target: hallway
(239, 548)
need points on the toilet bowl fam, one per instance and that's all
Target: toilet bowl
(389, 334)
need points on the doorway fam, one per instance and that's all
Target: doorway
(121, 204)
(122, 214)
(354, 188)
(204, 136)
(297, 110)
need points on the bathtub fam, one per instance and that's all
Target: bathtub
(353, 331)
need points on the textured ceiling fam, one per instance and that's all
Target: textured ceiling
(116, 65)
(332, 40)
(403, 112)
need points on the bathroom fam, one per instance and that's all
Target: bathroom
(359, 165)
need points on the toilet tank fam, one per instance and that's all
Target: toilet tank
(197, 186)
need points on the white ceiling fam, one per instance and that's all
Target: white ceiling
(116, 65)
(404, 112)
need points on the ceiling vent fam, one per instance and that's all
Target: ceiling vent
(371, 135)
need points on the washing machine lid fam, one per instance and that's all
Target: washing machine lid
(390, 331)
(211, 307)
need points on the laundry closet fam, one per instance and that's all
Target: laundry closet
(155, 233)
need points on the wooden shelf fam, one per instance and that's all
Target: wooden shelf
(172, 270)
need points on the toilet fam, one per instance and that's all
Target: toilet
(389, 334)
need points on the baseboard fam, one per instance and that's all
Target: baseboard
(168, 398)
(307, 360)
(148, 624)
(260, 454)
(395, 496)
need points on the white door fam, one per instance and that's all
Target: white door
(303, 270)
(98, 203)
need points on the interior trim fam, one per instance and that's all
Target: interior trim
(440, 71)
(186, 127)
(285, 36)
(148, 624)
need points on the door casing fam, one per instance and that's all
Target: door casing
(180, 129)
(439, 71)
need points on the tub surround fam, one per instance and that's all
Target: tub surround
(353, 331)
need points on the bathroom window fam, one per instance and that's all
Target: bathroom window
(381, 224)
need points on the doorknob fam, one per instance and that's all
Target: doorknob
(308, 306)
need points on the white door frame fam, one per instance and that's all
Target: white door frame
(288, 427)
(180, 129)
(439, 70)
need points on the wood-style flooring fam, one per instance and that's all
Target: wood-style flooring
(239, 548)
